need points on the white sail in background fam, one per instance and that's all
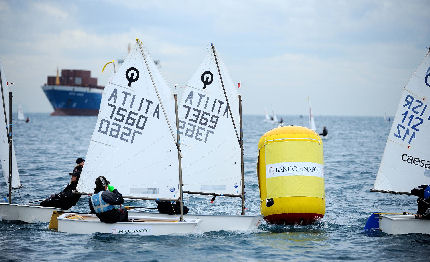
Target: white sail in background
(275, 118)
(209, 138)
(406, 160)
(4, 145)
(21, 116)
(311, 117)
(134, 142)
(266, 116)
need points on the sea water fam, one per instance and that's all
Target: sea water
(47, 147)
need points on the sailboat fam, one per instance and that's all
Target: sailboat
(406, 160)
(21, 116)
(274, 117)
(267, 118)
(9, 211)
(135, 146)
(210, 116)
(311, 117)
(210, 125)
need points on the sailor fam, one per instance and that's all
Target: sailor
(324, 132)
(67, 198)
(79, 165)
(104, 200)
(423, 194)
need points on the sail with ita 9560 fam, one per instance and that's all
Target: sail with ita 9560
(406, 160)
(209, 128)
(4, 130)
(134, 142)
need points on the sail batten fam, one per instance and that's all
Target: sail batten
(209, 115)
(406, 160)
(130, 144)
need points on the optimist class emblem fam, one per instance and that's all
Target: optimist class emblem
(207, 78)
(132, 74)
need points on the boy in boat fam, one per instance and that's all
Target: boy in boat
(423, 194)
(67, 198)
(103, 202)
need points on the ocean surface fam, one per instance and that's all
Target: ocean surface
(47, 147)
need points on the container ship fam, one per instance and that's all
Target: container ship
(74, 93)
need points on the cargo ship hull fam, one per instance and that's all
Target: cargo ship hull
(73, 100)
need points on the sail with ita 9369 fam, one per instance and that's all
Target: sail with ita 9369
(210, 132)
(134, 142)
(406, 160)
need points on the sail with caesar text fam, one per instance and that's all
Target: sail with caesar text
(134, 142)
(406, 160)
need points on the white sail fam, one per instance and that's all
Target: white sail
(267, 117)
(209, 136)
(4, 145)
(134, 142)
(21, 116)
(275, 118)
(311, 117)
(406, 160)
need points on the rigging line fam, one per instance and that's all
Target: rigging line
(3, 103)
(156, 90)
(225, 93)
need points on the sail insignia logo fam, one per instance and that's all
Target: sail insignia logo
(427, 78)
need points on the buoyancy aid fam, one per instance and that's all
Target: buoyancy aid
(99, 204)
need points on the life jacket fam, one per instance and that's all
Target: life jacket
(99, 205)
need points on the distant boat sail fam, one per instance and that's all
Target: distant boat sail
(209, 129)
(4, 145)
(21, 116)
(311, 117)
(406, 160)
(134, 142)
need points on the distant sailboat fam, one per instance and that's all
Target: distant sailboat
(21, 116)
(267, 118)
(311, 117)
(405, 163)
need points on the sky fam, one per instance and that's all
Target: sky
(350, 57)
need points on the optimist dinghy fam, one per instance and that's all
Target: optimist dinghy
(210, 125)
(134, 145)
(9, 211)
(406, 160)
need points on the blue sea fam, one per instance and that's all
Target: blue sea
(47, 147)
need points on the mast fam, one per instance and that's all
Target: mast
(181, 193)
(242, 167)
(9, 136)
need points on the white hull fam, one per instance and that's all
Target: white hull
(139, 225)
(26, 213)
(215, 222)
(403, 224)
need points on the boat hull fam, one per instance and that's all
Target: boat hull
(210, 223)
(73, 100)
(403, 224)
(89, 224)
(26, 213)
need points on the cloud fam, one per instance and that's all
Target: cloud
(48, 8)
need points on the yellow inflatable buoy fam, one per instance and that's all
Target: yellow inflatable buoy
(291, 175)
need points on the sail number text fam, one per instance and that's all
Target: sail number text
(199, 116)
(411, 119)
(128, 116)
